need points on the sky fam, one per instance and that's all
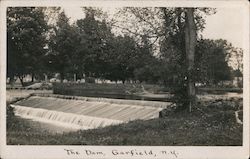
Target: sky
(226, 24)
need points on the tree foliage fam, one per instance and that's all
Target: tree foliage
(212, 61)
(26, 28)
(153, 45)
(62, 44)
(96, 36)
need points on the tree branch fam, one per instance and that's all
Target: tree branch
(134, 32)
(146, 21)
(157, 34)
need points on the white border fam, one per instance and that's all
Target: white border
(33, 152)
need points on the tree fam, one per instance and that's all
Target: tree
(238, 55)
(212, 61)
(97, 37)
(123, 59)
(237, 64)
(26, 28)
(146, 64)
(178, 27)
(63, 46)
(190, 44)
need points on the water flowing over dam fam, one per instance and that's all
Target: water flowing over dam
(85, 112)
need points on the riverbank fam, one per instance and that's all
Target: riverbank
(181, 130)
(212, 123)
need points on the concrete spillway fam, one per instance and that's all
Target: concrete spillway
(86, 113)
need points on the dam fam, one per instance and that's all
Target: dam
(85, 112)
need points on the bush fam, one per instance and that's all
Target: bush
(224, 105)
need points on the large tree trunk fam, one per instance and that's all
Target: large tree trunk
(190, 42)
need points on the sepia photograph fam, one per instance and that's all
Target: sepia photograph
(126, 76)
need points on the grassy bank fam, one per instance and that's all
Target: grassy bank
(122, 89)
(218, 90)
(114, 91)
(212, 123)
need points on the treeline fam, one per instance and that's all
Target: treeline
(89, 47)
